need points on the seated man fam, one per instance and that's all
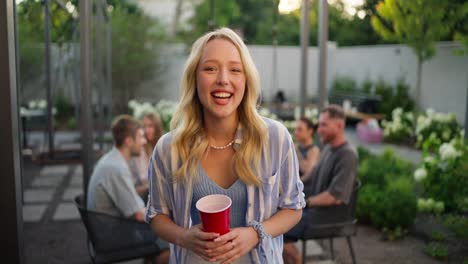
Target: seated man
(111, 188)
(331, 182)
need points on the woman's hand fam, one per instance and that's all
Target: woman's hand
(200, 242)
(234, 244)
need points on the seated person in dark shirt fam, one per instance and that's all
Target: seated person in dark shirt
(331, 181)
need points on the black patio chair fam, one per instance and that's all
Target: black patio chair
(112, 239)
(332, 222)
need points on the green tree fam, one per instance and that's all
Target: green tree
(254, 18)
(418, 24)
(30, 17)
(136, 39)
(460, 32)
(136, 43)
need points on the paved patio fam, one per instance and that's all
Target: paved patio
(53, 229)
(54, 233)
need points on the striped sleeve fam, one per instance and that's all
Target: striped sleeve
(291, 195)
(160, 193)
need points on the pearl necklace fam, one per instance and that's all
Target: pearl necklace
(223, 147)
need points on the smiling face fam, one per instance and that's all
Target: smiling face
(221, 80)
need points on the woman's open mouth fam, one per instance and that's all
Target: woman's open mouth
(221, 98)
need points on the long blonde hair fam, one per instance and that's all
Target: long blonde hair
(190, 139)
(158, 132)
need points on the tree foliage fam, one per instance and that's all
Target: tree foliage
(255, 19)
(136, 39)
(416, 23)
(30, 19)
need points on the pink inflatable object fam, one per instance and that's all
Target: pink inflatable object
(369, 135)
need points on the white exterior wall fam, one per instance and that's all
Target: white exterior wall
(444, 77)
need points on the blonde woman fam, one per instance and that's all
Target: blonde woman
(219, 144)
(152, 126)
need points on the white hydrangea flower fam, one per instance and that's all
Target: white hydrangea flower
(387, 131)
(397, 126)
(429, 159)
(422, 123)
(448, 151)
(42, 104)
(132, 104)
(311, 113)
(420, 174)
(397, 112)
(23, 110)
(430, 112)
(32, 104)
(409, 116)
(315, 112)
(439, 117)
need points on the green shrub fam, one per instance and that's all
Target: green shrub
(435, 128)
(437, 250)
(344, 84)
(368, 199)
(394, 97)
(367, 86)
(445, 177)
(457, 224)
(71, 123)
(63, 106)
(394, 234)
(386, 199)
(437, 236)
(400, 128)
(363, 153)
(376, 169)
(397, 208)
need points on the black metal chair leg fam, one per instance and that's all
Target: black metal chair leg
(332, 251)
(304, 251)
(350, 245)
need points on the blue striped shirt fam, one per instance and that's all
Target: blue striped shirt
(204, 186)
(280, 187)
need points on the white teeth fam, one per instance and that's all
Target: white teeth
(222, 95)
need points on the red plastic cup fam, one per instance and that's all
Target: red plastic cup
(215, 213)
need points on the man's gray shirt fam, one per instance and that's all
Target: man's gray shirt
(111, 189)
(335, 172)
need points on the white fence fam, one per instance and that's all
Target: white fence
(444, 77)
